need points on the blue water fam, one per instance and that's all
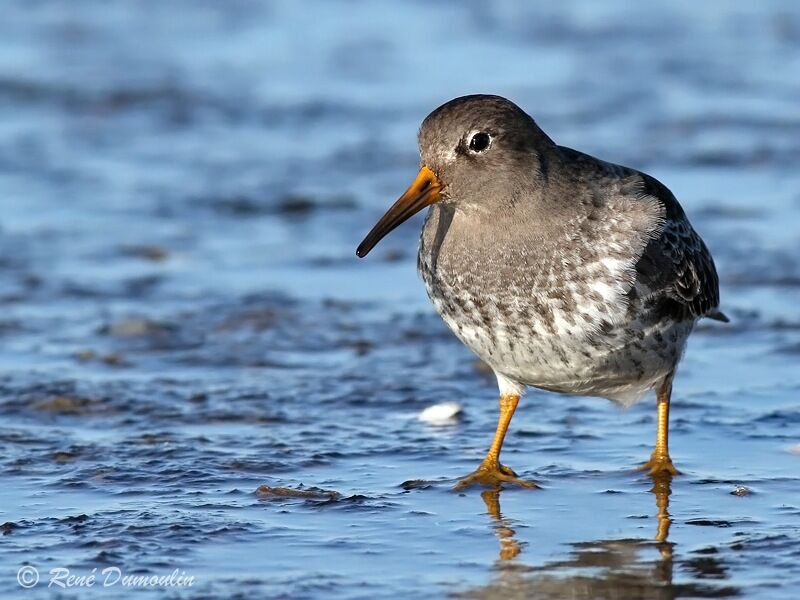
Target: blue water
(183, 319)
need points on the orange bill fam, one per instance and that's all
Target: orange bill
(425, 190)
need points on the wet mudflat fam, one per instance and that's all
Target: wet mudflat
(196, 373)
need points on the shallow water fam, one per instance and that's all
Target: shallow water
(182, 187)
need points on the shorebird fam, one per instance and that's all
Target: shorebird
(559, 270)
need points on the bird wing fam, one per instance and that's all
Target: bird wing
(676, 265)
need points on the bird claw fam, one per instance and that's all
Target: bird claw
(493, 475)
(660, 466)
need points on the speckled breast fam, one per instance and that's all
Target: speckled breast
(572, 330)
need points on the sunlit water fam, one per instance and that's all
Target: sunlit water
(182, 187)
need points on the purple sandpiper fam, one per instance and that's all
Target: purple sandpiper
(559, 270)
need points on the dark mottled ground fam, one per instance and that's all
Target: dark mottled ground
(196, 372)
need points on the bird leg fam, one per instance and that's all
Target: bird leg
(660, 463)
(490, 472)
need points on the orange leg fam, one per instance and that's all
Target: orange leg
(490, 472)
(660, 463)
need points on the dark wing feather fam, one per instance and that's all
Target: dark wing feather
(676, 266)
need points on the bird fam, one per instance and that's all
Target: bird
(560, 271)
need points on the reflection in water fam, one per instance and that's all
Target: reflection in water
(623, 568)
(662, 489)
(509, 546)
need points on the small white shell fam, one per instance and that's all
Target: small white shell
(444, 413)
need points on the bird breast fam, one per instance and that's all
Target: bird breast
(548, 316)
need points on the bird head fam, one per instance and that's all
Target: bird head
(476, 152)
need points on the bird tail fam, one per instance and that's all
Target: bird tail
(717, 315)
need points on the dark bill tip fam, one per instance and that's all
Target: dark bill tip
(425, 190)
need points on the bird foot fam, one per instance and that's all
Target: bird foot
(492, 474)
(660, 465)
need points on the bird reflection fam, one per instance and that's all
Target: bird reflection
(662, 490)
(509, 546)
(619, 568)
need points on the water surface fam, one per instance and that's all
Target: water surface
(182, 187)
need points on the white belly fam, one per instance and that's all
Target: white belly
(620, 362)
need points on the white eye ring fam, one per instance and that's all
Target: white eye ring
(479, 142)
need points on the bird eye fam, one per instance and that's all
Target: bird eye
(480, 142)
